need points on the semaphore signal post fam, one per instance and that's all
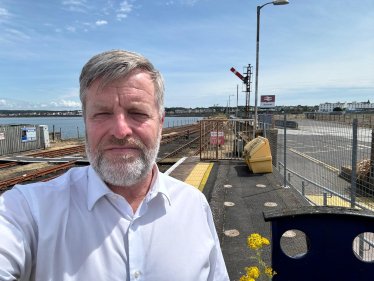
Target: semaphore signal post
(247, 80)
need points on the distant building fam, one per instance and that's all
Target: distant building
(329, 107)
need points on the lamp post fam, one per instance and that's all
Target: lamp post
(275, 2)
(230, 101)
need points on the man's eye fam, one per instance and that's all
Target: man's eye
(139, 114)
(101, 114)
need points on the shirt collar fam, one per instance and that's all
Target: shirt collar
(97, 188)
(157, 186)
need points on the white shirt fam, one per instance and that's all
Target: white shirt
(75, 228)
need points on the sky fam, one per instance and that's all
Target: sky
(310, 52)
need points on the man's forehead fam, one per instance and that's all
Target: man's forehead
(134, 78)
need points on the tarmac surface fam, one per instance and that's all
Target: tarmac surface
(227, 182)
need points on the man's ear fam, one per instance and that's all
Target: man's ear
(162, 122)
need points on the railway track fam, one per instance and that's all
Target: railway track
(33, 175)
(59, 152)
(196, 152)
(6, 165)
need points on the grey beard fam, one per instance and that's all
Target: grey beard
(124, 171)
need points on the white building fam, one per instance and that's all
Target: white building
(329, 107)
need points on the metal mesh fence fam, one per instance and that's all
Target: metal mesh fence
(329, 159)
(222, 139)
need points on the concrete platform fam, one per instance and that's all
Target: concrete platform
(231, 181)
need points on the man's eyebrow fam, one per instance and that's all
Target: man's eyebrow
(140, 107)
(100, 107)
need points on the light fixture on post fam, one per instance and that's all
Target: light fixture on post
(275, 2)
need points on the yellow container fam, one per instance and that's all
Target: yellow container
(258, 156)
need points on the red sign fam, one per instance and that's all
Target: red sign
(213, 137)
(268, 98)
(267, 101)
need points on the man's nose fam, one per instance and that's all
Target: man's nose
(121, 127)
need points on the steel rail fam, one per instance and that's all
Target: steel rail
(178, 137)
(179, 149)
(178, 129)
(182, 147)
(58, 152)
(33, 175)
(6, 165)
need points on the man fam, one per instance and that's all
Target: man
(120, 218)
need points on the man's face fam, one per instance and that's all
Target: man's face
(123, 129)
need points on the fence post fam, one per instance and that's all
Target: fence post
(54, 133)
(303, 188)
(285, 151)
(78, 131)
(354, 163)
(371, 174)
(324, 199)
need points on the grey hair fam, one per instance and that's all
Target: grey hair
(116, 64)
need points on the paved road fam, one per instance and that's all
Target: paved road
(318, 150)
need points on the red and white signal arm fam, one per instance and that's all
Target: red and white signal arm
(267, 101)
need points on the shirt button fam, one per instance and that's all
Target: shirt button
(136, 273)
(115, 197)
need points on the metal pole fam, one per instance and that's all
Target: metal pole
(303, 188)
(229, 103)
(285, 151)
(237, 99)
(324, 199)
(257, 55)
(354, 163)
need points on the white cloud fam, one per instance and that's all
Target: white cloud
(70, 28)
(125, 7)
(2, 103)
(170, 3)
(74, 2)
(76, 5)
(189, 2)
(43, 105)
(65, 103)
(121, 16)
(101, 22)
(17, 33)
(69, 103)
(4, 12)
(58, 30)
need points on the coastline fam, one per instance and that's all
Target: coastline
(53, 116)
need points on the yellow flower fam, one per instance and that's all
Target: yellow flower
(253, 271)
(265, 241)
(246, 278)
(269, 272)
(255, 241)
